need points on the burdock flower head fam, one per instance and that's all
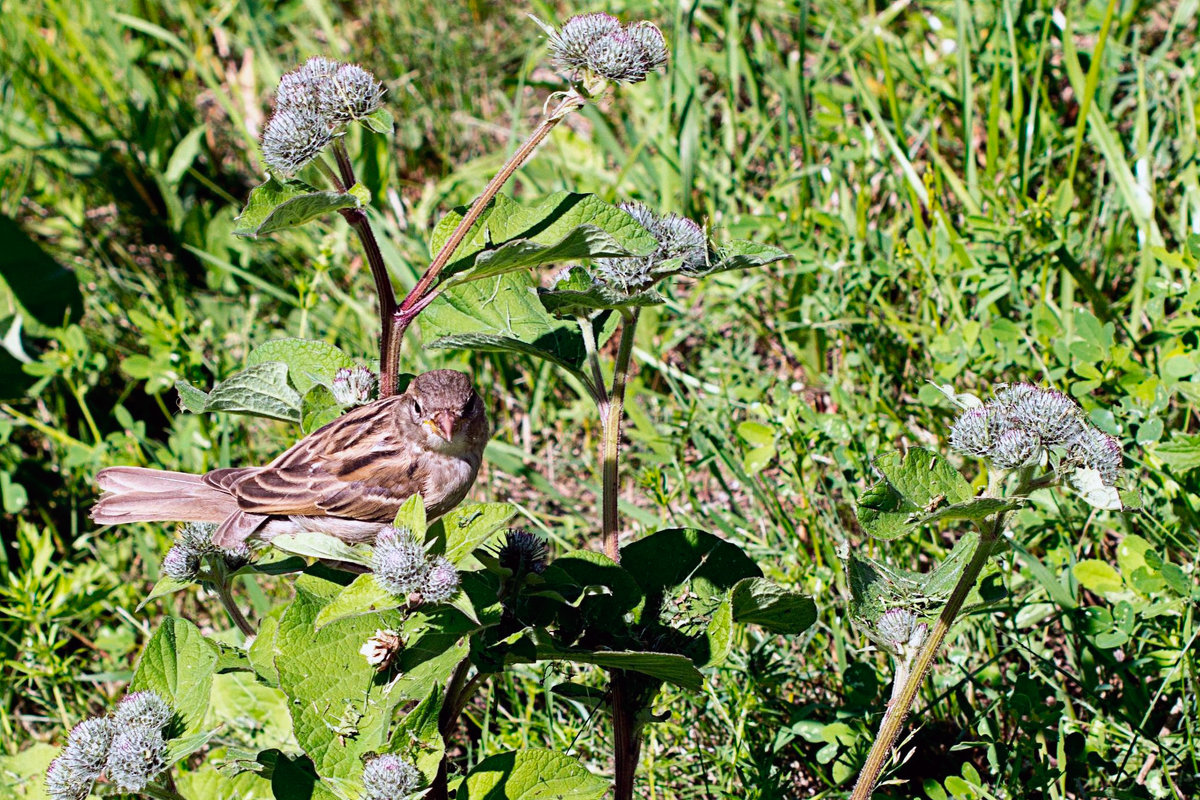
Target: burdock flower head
(193, 542)
(313, 103)
(682, 247)
(381, 649)
(1025, 423)
(71, 775)
(597, 43)
(522, 552)
(399, 562)
(294, 137)
(390, 777)
(441, 582)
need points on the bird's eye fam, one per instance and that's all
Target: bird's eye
(417, 407)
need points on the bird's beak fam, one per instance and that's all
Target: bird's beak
(443, 424)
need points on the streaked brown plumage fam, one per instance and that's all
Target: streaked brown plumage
(345, 479)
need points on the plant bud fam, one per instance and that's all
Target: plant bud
(972, 432)
(1015, 449)
(180, 564)
(1095, 449)
(570, 46)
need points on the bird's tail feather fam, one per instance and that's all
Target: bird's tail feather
(136, 494)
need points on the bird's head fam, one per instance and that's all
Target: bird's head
(448, 411)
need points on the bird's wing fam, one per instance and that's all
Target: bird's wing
(359, 466)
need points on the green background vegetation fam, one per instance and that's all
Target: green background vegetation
(973, 193)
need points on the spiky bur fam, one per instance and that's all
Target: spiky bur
(522, 552)
(390, 777)
(441, 581)
(682, 246)
(349, 94)
(143, 710)
(192, 543)
(298, 88)
(1024, 422)
(381, 649)
(1095, 449)
(293, 138)
(597, 43)
(137, 756)
(312, 105)
(354, 386)
(399, 562)
(71, 775)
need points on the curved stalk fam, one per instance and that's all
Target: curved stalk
(901, 702)
(225, 593)
(898, 707)
(400, 318)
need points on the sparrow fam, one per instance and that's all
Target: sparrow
(347, 479)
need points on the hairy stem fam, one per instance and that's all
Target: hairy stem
(901, 703)
(612, 413)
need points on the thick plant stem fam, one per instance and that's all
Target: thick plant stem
(400, 318)
(627, 736)
(612, 413)
(898, 708)
(225, 593)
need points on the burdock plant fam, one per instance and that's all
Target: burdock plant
(420, 618)
(1029, 438)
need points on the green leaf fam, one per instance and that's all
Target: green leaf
(162, 587)
(191, 399)
(1098, 576)
(180, 748)
(976, 509)
(309, 361)
(670, 667)
(379, 121)
(46, 290)
(262, 650)
(318, 408)
(1181, 454)
(340, 706)
(740, 254)
(411, 516)
(466, 527)
(912, 484)
(576, 294)
(718, 635)
(323, 546)
(531, 774)
(502, 314)
(261, 390)
(1131, 553)
(509, 236)
(274, 206)
(670, 558)
(758, 601)
(363, 596)
(178, 663)
(417, 737)
(24, 772)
